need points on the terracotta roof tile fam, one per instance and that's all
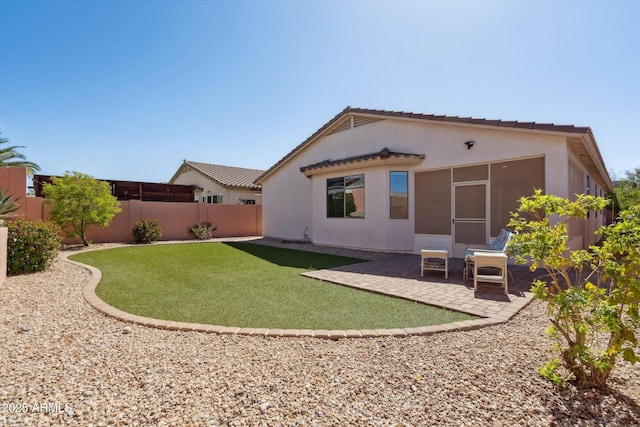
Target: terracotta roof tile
(228, 176)
(382, 154)
(445, 118)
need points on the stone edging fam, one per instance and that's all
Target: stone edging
(90, 296)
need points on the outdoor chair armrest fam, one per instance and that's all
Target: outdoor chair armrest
(470, 252)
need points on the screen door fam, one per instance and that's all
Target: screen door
(469, 223)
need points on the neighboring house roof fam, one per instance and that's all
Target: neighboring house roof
(384, 155)
(352, 117)
(225, 176)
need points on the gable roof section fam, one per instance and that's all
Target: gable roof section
(226, 176)
(340, 122)
(383, 156)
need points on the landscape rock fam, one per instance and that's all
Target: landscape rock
(74, 367)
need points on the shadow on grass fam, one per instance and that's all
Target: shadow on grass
(293, 258)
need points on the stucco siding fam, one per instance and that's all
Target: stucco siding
(293, 202)
(583, 233)
(288, 199)
(375, 230)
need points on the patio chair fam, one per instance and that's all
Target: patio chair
(498, 246)
(496, 262)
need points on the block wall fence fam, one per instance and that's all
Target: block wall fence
(174, 218)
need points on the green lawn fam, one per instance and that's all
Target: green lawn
(246, 285)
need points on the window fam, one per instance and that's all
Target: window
(345, 197)
(399, 195)
(246, 202)
(212, 199)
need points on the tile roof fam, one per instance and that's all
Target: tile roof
(470, 120)
(382, 155)
(228, 176)
(545, 127)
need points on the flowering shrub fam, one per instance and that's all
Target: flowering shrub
(31, 246)
(203, 230)
(147, 231)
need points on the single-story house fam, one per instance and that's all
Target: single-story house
(220, 184)
(398, 181)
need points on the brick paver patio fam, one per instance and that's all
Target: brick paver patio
(399, 276)
(395, 275)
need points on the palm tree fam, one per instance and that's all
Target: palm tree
(10, 157)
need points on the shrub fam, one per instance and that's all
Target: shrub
(203, 230)
(31, 246)
(147, 231)
(79, 201)
(592, 296)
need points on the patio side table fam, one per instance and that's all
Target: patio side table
(435, 259)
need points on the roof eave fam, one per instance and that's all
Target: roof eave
(596, 157)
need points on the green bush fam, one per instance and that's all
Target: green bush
(203, 230)
(147, 231)
(31, 246)
(592, 295)
(78, 201)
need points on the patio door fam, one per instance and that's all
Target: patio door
(470, 212)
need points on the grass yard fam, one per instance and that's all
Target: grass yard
(246, 285)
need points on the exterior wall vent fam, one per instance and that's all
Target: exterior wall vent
(352, 122)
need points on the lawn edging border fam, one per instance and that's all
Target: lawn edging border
(90, 296)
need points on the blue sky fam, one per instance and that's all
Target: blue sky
(127, 89)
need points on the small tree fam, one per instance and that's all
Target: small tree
(627, 192)
(78, 201)
(592, 295)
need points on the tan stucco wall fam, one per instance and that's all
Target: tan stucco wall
(174, 217)
(292, 202)
(13, 181)
(230, 196)
(288, 198)
(392, 234)
(582, 233)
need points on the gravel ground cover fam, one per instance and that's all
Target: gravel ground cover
(64, 363)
